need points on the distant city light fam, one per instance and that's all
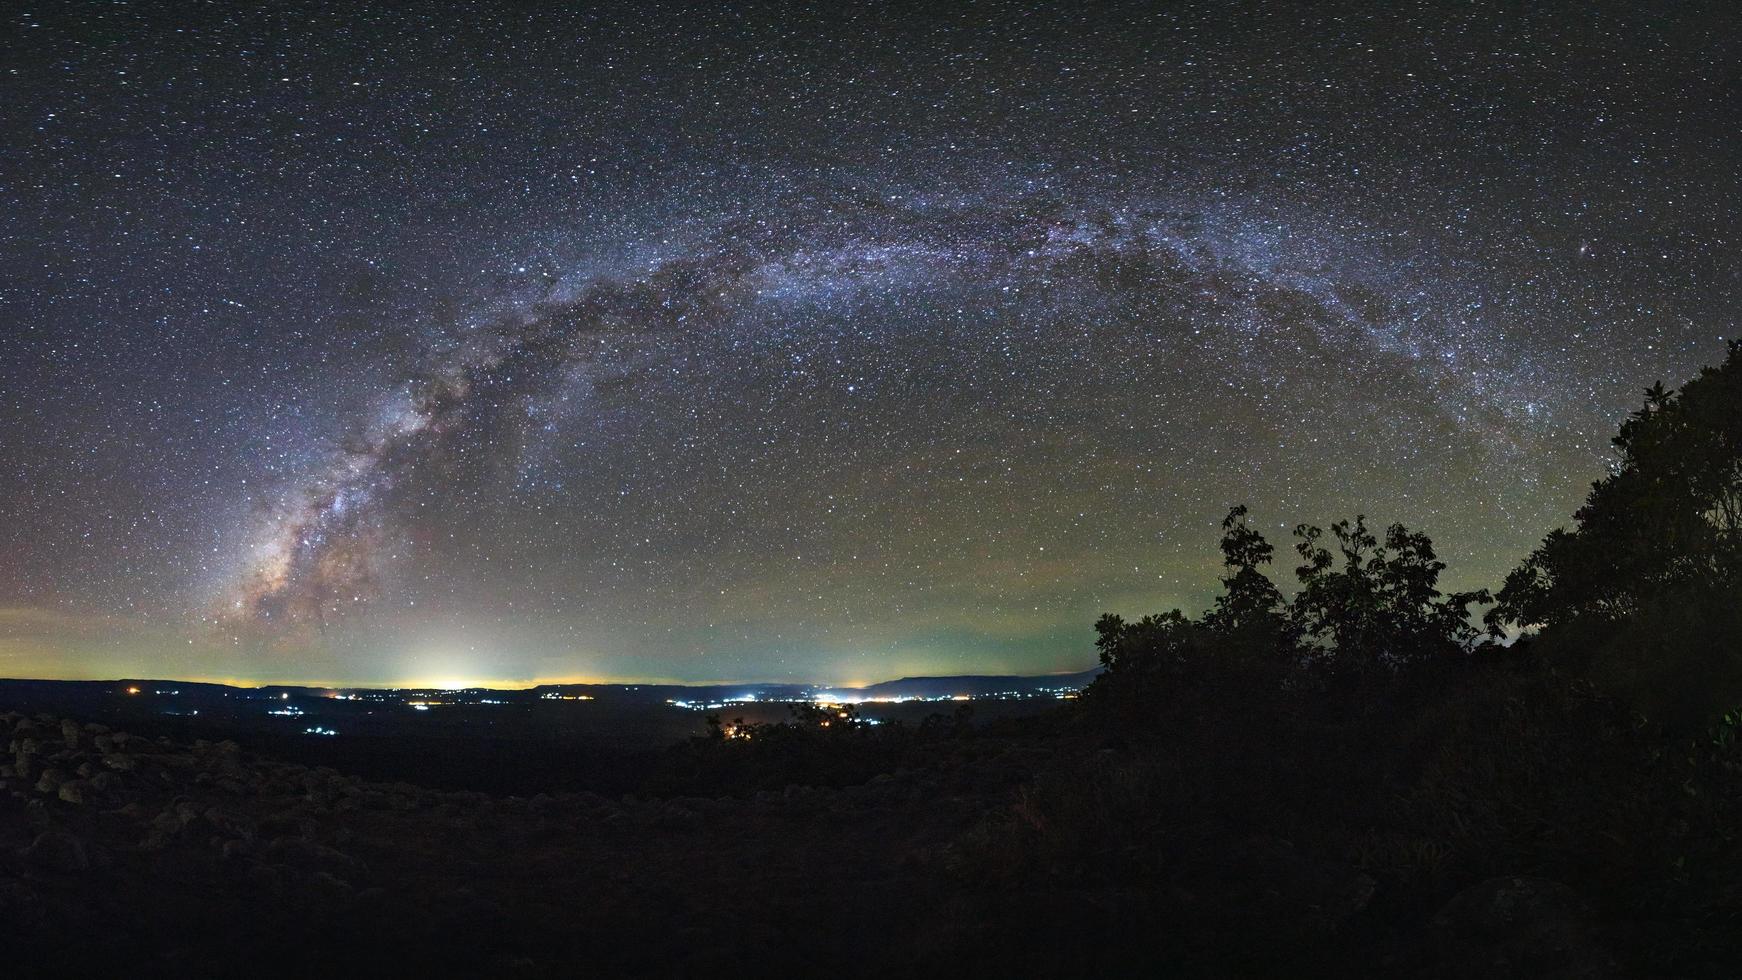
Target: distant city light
(836, 699)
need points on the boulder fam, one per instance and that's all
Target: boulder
(1269, 877)
(18, 902)
(1520, 926)
(231, 824)
(50, 781)
(309, 856)
(24, 753)
(330, 888)
(268, 879)
(56, 852)
(177, 819)
(120, 762)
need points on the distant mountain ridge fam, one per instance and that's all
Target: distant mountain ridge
(970, 685)
(957, 685)
(978, 685)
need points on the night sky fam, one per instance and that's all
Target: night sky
(499, 343)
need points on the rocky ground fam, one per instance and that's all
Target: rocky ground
(187, 859)
(149, 857)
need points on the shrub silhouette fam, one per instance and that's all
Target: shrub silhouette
(1328, 769)
(1667, 519)
(1644, 590)
(1376, 604)
(1368, 605)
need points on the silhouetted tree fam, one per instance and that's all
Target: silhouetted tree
(1645, 590)
(1376, 604)
(1667, 520)
(1144, 648)
(1249, 599)
(1368, 604)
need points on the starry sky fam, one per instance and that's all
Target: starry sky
(496, 343)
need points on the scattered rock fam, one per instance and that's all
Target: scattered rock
(57, 852)
(176, 819)
(310, 856)
(267, 879)
(17, 900)
(330, 887)
(1520, 927)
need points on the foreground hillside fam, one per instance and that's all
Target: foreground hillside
(199, 858)
(1051, 850)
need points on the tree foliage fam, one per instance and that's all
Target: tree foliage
(1666, 521)
(1365, 605)
(1249, 599)
(1372, 603)
(1645, 590)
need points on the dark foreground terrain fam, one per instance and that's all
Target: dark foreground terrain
(165, 858)
(1428, 838)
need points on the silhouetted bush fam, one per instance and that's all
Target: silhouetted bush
(1645, 589)
(1328, 770)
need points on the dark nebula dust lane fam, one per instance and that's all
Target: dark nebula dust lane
(489, 344)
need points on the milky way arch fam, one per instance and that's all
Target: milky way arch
(317, 545)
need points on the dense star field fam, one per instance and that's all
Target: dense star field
(502, 343)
